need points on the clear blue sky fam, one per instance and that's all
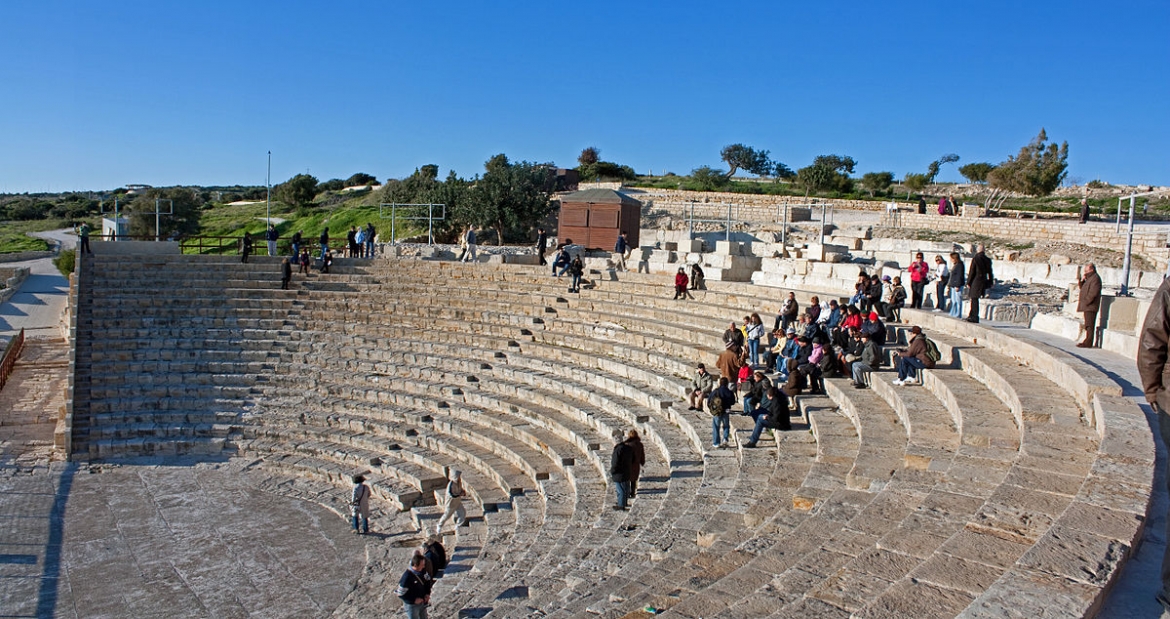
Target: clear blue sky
(96, 95)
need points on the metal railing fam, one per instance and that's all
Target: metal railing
(11, 354)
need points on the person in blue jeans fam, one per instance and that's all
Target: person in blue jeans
(360, 504)
(955, 283)
(773, 414)
(912, 359)
(723, 408)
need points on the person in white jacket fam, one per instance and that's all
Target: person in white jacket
(454, 503)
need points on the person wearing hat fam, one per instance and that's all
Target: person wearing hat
(728, 362)
(359, 504)
(912, 359)
(453, 503)
(701, 385)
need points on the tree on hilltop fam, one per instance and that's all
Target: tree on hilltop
(361, 179)
(297, 191)
(511, 198)
(1036, 171)
(827, 173)
(877, 182)
(706, 178)
(915, 183)
(589, 156)
(976, 172)
(738, 156)
(934, 167)
(185, 205)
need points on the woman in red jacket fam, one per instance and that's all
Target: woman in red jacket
(680, 284)
(919, 272)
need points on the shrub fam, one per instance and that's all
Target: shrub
(65, 261)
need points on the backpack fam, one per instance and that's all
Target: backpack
(932, 351)
(715, 405)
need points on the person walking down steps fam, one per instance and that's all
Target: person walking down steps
(359, 504)
(453, 503)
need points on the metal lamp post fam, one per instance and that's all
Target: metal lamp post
(268, 199)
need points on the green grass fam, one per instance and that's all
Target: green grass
(13, 237)
(359, 210)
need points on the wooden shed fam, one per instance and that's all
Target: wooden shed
(595, 217)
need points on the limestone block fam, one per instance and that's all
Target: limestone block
(728, 248)
(848, 272)
(1119, 313)
(1065, 273)
(691, 245)
(670, 246)
(836, 258)
(814, 251)
(662, 255)
(1059, 259)
(1149, 279)
(494, 259)
(694, 258)
(529, 259)
(822, 269)
(1063, 326)
(1124, 344)
(850, 242)
(800, 267)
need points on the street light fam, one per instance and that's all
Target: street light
(268, 200)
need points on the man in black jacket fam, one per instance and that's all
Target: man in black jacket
(979, 280)
(621, 465)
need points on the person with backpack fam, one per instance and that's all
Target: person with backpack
(359, 504)
(453, 499)
(719, 404)
(773, 414)
(913, 359)
(414, 588)
(621, 465)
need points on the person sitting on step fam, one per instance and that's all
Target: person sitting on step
(772, 414)
(913, 359)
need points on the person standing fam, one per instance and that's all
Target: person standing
(979, 280)
(359, 504)
(1152, 366)
(414, 588)
(271, 236)
(351, 242)
(469, 238)
(246, 247)
(621, 463)
(576, 271)
(285, 273)
(955, 282)
(1084, 210)
(1089, 304)
(921, 205)
(324, 240)
(941, 275)
(83, 234)
(719, 404)
(297, 239)
(919, 272)
(453, 503)
(305, 261)
(371, 235)
(541, 245)
(361, 243)
(635, 443)
(621, 247)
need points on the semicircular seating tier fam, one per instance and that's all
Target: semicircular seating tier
(1016, 478)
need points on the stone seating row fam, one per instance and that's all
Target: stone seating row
(813, 415)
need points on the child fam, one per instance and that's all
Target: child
(305, 260)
